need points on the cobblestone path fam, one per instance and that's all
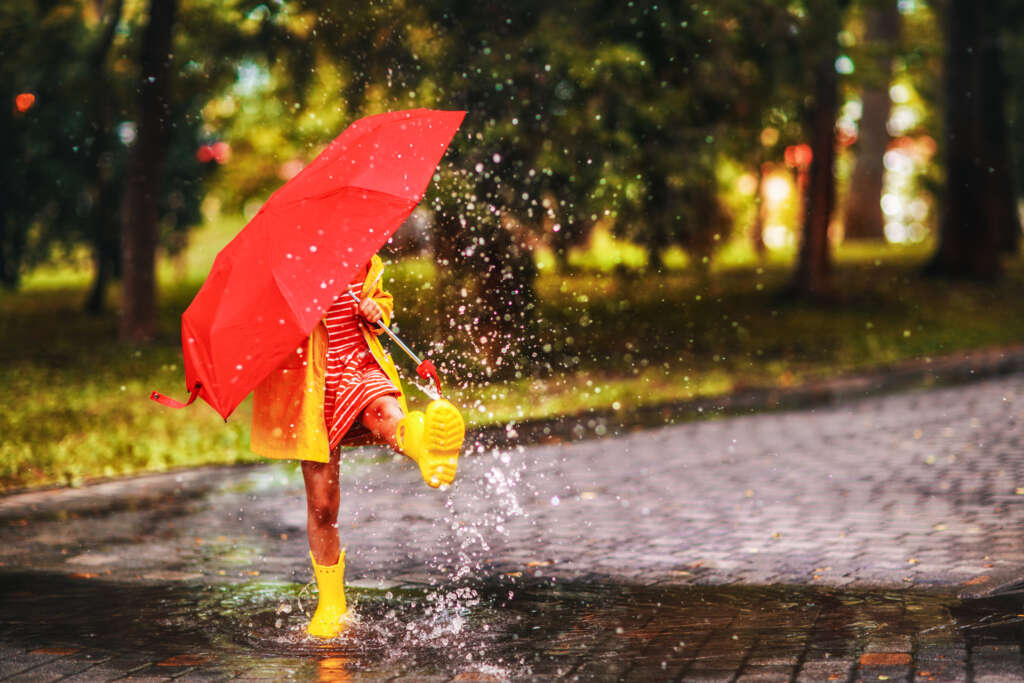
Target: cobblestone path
(921, 493)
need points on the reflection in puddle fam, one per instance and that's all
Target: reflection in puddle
(505, 629)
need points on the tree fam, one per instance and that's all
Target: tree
(814, 263)
(164, 181)
(978, 204)
(863, 211)
(145, 174)
(1013, 62)
(73, 130)
(41, 176)
(104, 225)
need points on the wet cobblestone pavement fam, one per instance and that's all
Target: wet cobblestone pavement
(507, 631)
(828, 544)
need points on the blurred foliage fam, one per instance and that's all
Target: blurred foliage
(578, 113)
(63, 167)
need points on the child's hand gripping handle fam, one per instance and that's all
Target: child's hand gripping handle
(426, 370)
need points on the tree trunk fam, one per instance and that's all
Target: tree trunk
(445, 242)
(757, 230)
(104, 220)
(506, 289)
(999, 196)
(573, 232)
(12, 236)
(658, 238)
(814, 267)
(12, 244)
(105, 242)
(977, 204)
(145, 176)
(863, 216)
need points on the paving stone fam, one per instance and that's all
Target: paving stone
(14, 660)
(941, 653)
(55, 669)
(205, 674)
(765, 674)
(773, 661)
(941, 671)
(991, 663)
(995, 653)
(824, 671)
(710, 675)
(99, 669)
(889, 644)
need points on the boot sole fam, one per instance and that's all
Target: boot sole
(444, 429)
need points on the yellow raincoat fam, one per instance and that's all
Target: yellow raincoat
(288, 406)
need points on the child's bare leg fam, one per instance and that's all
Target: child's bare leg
(381, 417)
(322, 499)
(432, 440)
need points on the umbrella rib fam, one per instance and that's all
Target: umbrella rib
(280, 204)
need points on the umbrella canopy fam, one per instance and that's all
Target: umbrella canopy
(274, 281)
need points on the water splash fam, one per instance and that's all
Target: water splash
(474, 525)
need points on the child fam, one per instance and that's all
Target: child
(341, 387)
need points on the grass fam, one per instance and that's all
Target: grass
(672, 337)
(76, 402)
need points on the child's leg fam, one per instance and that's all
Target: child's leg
(322, 499)
(432, 440)
(381, 417)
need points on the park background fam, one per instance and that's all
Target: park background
(647, 203)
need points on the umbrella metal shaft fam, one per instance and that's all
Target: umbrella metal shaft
(393, 336)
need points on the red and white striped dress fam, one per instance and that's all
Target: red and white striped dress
(354, 379)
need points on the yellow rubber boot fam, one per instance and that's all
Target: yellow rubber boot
(433, 439)
(329, 619)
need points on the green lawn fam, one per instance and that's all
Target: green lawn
(76, 403)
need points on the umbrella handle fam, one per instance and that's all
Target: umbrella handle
(171, 403)
(394, 337)
(426, 370)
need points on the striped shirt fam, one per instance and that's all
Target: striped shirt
(354, 379)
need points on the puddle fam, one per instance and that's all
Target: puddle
(506, 629)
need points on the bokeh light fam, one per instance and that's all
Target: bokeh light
(24, 101)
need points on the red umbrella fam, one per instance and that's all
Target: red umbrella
(274, 281)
